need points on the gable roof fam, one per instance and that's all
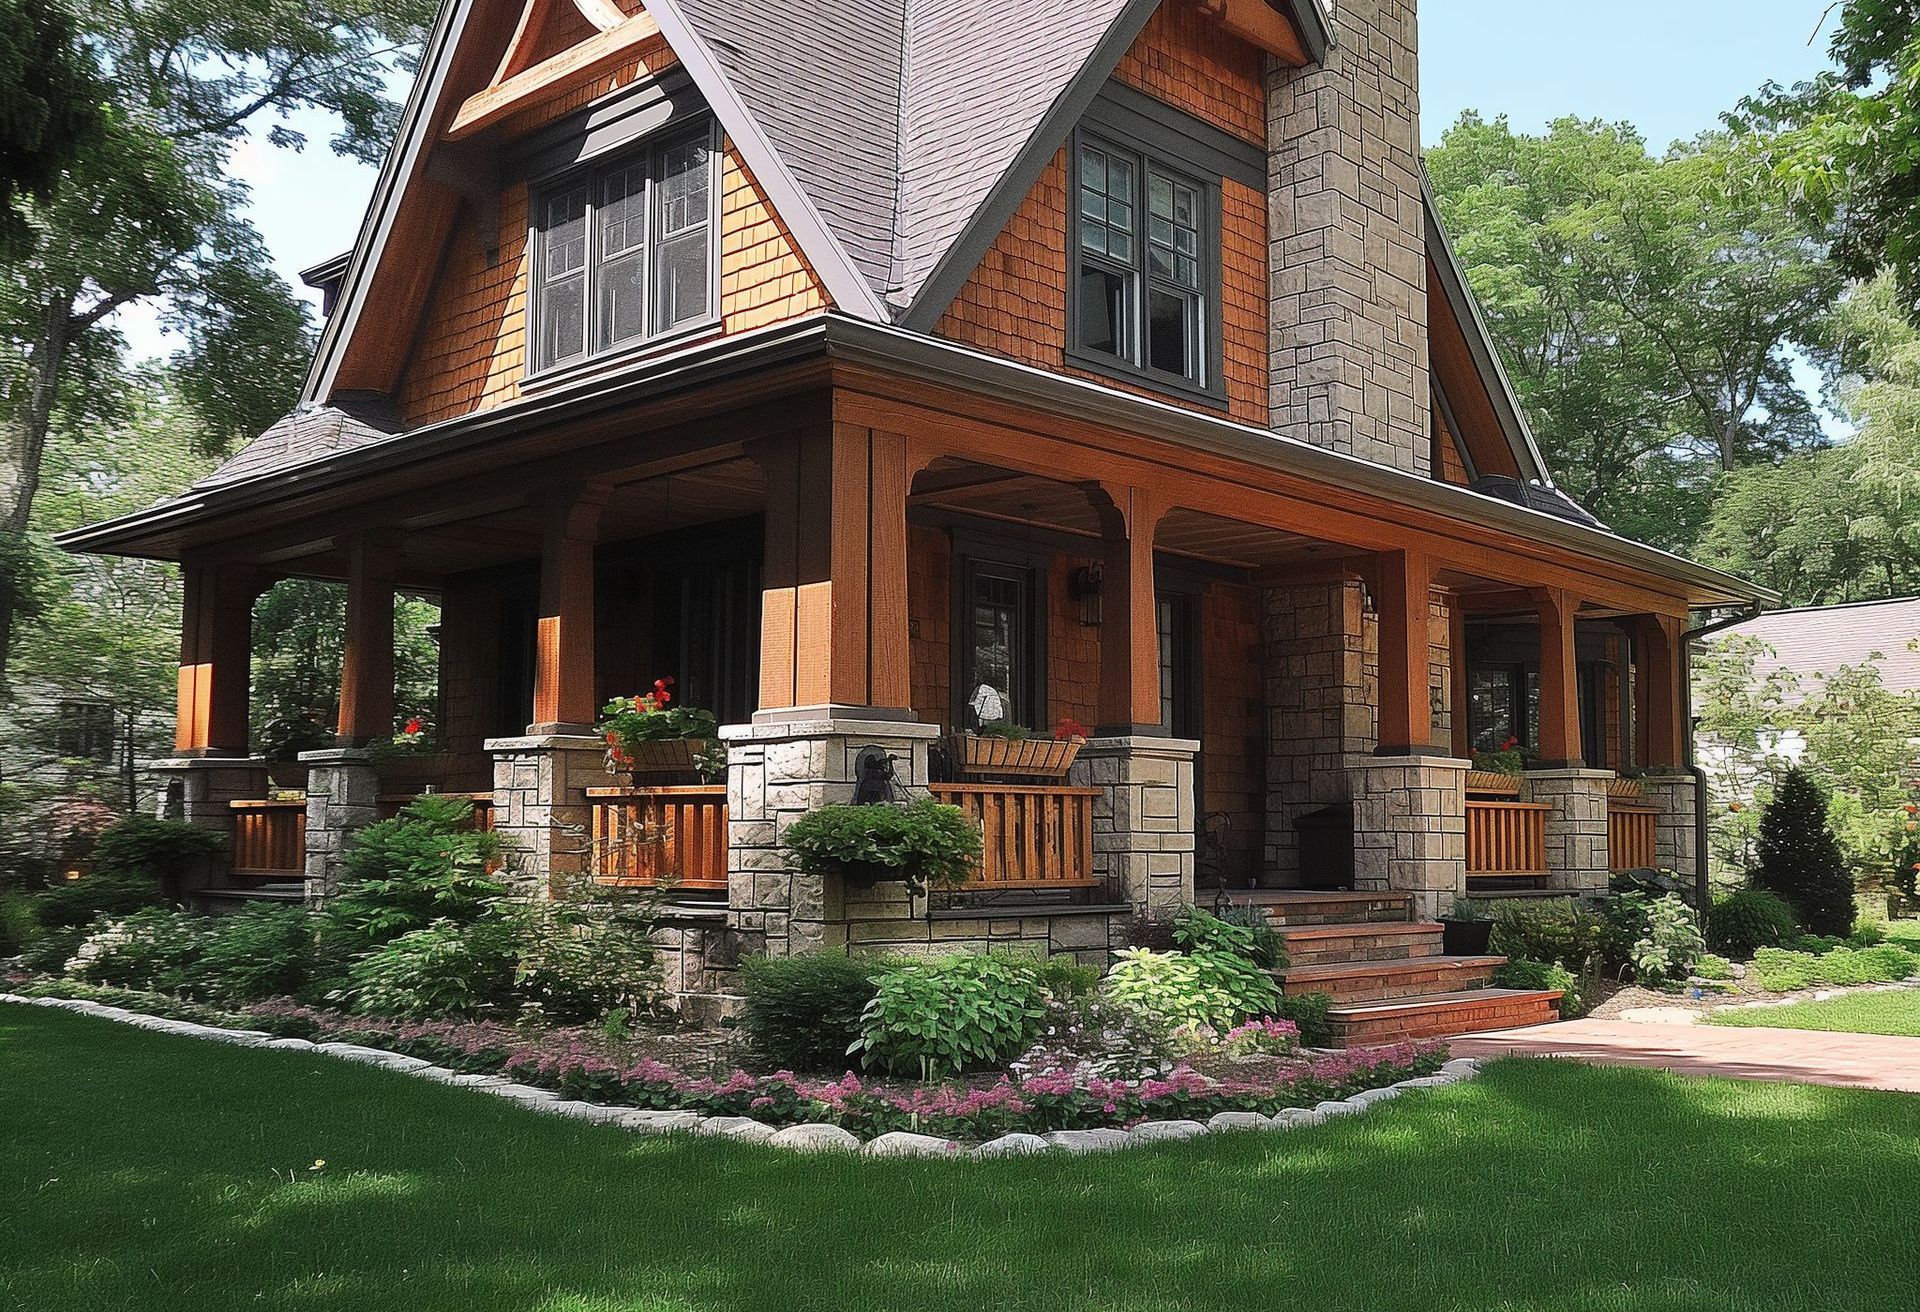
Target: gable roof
(349, 420)
(1817, 640)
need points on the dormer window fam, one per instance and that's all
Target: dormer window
(626, 252)
(1145, 237)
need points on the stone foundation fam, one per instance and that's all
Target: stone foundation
(699, 955)
(1673, 840)
(1578, 860)
(1144, 820)
(198, 790)
(540, 806)
(343, 794)
(1410, 828)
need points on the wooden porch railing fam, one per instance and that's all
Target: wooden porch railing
(1034, 836)
(1630, 836)
(269, 838)
(390, 805)
(678, 832)
(1506, 838)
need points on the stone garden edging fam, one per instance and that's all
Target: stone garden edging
(814, 1137)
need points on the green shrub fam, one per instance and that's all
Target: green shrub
(1521, 973)
(580, 959)
(162, 850)
(803, 1013)
(79, 902)
(151, 949)
(1712, 967)
(52, 948)
(1550, 932)
(255, 953)
(1749, 919)
(1800, 859)
(1066, 980)
(426, 864)
(1308, 1011)
(925, 842)
(448, 969)
(1867, 934)
(1235, 930)
(1783, 970)
(1202, 990)
(959, 1013)
(19, 922)
(1659, 938)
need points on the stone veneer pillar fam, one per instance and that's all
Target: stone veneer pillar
(1671, 792)
(1578, 860)
(1322, 679)
(540, 806)
(1144, 821)
(776, 773)
(1410, 828)
(343, 794)
(198, 789)
(1347, 242)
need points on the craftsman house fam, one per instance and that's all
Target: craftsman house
(878, 369)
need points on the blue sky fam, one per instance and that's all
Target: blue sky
(1670, 68)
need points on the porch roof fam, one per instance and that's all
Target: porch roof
(164, 530)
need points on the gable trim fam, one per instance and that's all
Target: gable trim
(1493, 374)
(849, 288)
(964, 254)
(1171, 131)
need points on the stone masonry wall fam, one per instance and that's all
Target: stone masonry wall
(1410, 828)
(343, 794)
(1347, 242)
(1673, 839)
(1577, 847)
(540, 806)
(1322, 658)
(1143, 824)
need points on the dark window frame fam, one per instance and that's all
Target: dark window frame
(593, 175)
(85, 730)
(1148, 159)
(1031, 570)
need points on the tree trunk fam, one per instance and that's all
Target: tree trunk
(26, 447)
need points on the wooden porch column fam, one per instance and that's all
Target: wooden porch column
(1660, 700)
(833, 631)
(1559, 744)
(1129, 698)
(366, 665)
(565, 690)
(216, 650)
(1403, 588)
(1458, 684)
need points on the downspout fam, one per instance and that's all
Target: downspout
(1703, 896)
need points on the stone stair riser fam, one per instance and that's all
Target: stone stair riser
(1304, 948)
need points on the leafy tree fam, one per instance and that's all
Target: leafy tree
(149, 212)
(52, 109)
(1646, 306)
(1800, 858)
(298, 628)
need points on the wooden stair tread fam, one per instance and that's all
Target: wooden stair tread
(1432, 1002)
(1402, 966)
(1360, 929)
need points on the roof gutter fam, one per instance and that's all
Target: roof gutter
(913, 355)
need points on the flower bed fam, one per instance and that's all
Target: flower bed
(585, 1065)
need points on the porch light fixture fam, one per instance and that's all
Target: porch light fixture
(1083, 585)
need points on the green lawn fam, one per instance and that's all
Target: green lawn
(1857, 1013)
(144, 1171)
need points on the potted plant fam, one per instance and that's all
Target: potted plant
(1004, 749)
(922, 843)
(1498, 772)
(647, 734)
(1467, 930)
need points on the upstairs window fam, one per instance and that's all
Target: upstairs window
(1146, 286)
(626, 252)
(84, 731)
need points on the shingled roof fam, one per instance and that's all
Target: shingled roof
(351, 419)
(1817, 640)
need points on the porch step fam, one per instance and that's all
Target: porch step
(1441, 1015)
(1311, 945)
(212, 898)
(1484, 885)
(1306, 906)
(1372, 981)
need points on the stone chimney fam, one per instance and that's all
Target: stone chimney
(1347, 244)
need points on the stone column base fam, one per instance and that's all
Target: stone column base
(197, 789)
(1145, 819)
(1410, 828)
(776, 773)
(343, 795)
(1578, 860)
(1672, 793)
(541, 811)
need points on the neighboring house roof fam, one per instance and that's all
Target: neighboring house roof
(1818, 640)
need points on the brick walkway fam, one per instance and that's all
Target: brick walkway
(1801, 1056)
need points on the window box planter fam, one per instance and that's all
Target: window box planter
(987, 756)
(660, 756)
(1625, 790)
(1493, 783)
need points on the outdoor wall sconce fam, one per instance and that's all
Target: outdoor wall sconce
(1083, 585)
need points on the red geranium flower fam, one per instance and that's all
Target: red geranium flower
(413, 725)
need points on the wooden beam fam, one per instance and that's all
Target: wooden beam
(564, 682)
(1403, 598)
(1260, 24)
(1660, 702)
(1559, 743)
(1129, 693)
(366, 664)
(551, 76)
(216, 651)
(1457, 693)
